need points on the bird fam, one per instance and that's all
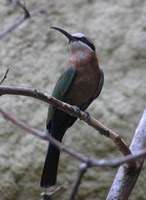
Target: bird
(79, 84)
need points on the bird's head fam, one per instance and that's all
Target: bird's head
(80, 45)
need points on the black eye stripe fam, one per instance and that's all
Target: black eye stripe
(84, 40)
(90, 44)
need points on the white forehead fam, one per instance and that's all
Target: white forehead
(78, 35)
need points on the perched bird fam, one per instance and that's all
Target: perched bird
(79, 84)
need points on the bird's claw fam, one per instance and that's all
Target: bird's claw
(86, 117)
(77, 109)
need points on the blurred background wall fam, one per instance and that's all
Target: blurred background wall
(37, 56)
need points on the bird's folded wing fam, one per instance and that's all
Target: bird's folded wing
(63, 83)
(61, 88)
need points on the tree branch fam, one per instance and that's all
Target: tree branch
(92, 162)
(50, 195)
(5, 75)
(82, 170)
(72, 110)
(126, 177)
(27, 14)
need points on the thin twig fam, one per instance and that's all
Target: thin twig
(5, 75)
(27, 14)
(82, 170)
(91, 162)
(45, 136)
(55, 194)
(72, 110)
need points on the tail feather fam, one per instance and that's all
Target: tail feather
(57, 127)
(49, 174)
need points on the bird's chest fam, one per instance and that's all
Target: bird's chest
(82, 87)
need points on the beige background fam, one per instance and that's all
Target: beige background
(37, 56)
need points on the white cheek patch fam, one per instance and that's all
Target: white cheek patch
(84, 47)
(80, 51)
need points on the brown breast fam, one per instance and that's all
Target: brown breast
(85, 82)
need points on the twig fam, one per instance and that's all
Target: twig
(82, 170)
(120, 186)
(72, 110)
(18, 3)
(55, 194)
(27, 14)
(45, 136)
(5, 75)
(91, 162)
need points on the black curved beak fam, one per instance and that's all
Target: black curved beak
(69, 36)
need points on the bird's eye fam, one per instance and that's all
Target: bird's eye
(83, 39)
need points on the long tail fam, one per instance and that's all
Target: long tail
(60, 122)
(49, 174)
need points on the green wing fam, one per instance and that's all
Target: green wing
(61, 88)
(63, 83)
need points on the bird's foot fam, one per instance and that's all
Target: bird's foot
(77, 109)
(86, 117)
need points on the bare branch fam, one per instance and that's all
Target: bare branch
(55, 194)
(5, 75)
(45, 136)
(27, 15)
(126, 177)
(82, 170)
(72, 110)
(91, 162)
(18, 3)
